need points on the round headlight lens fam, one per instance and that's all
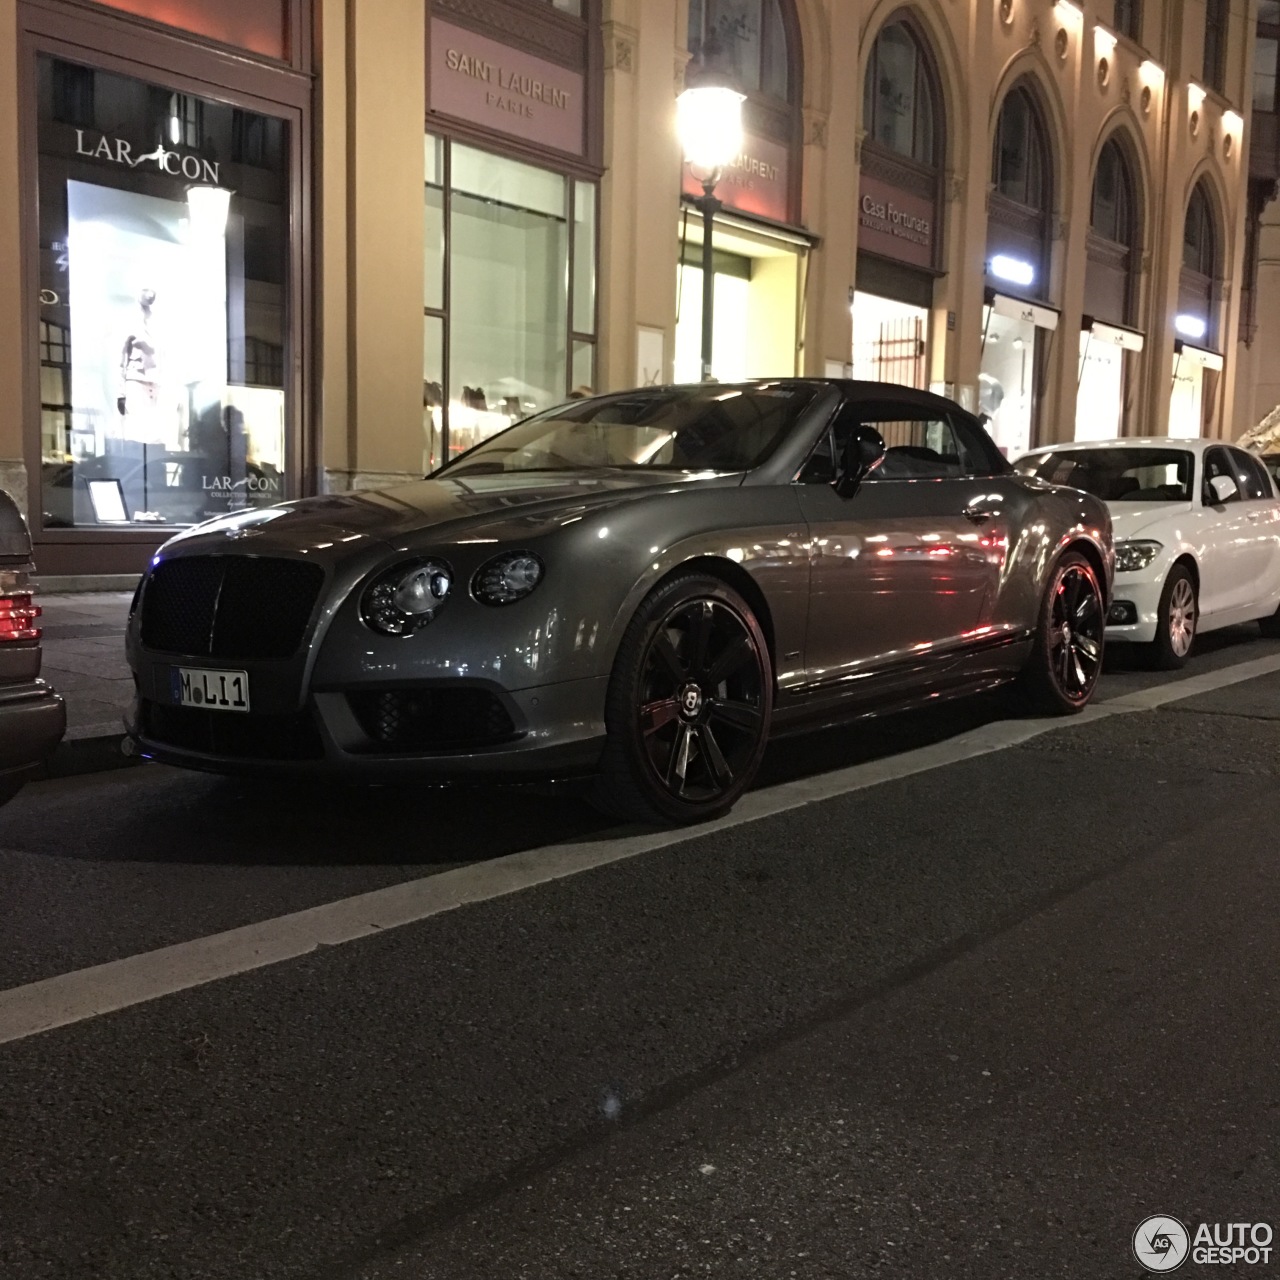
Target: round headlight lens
(507, 578)
(405, 598)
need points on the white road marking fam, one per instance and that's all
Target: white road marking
(89, 993)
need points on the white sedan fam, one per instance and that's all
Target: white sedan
(1197, 528)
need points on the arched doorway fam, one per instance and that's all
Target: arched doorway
(1108, 330)
(1017, 322)
(1197, 363)
(899, 206)
(759, 247)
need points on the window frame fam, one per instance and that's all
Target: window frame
(925, 88)
(1038, 132)
(1217, 20)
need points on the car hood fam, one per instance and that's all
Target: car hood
(448, 508)
(1144, 519)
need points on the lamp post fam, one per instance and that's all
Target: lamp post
(709, 122)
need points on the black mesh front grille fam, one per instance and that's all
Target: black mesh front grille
(232, 735)
(229, 606)
(432, 719)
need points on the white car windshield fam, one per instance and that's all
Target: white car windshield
(1117, 475)
(710, 427)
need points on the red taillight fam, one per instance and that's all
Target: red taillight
(18, 617)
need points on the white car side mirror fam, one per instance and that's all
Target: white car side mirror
(1224, 489)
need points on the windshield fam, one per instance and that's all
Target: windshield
(1117, 475)
(712, 427)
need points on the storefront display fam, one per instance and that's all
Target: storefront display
(1015, 337)
(1195, 382)
(1100, 395)
(163, 302)
(510, 234)
(889, 340)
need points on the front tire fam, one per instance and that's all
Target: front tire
(1271, 626)
(1063, 671)
(1176, 621)
(688, 708)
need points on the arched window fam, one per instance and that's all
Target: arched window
(753, 37)
(1199, 237)
(899, 102)
(1113, 215)
(1020, 158)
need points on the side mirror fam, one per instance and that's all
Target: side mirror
(863, 452)
(1224, 488)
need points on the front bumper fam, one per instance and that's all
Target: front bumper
(553, 730)
(1138, 594)
(33, 719)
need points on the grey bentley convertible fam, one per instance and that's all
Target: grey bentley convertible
(640, 588)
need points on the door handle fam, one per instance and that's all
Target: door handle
(979, 514)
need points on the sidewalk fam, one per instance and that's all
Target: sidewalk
(84, 661)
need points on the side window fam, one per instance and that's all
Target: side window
(919, 449)
(1216, 463)
(1253, 480)
(932, 448)
(978, 451)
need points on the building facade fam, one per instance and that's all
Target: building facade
(268, 248)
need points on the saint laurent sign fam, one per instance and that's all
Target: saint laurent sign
(120, 151)
(756, 181)
(484, 82)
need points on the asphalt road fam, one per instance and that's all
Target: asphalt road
(979, 1020)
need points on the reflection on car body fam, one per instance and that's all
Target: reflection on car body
(640, 588)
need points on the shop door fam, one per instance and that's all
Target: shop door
(1014, 353)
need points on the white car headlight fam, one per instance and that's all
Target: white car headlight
(1134, 556)
(407, 597)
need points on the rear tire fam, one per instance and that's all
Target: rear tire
(688, 708)
(1271, 626)
(1063, 670)
(1177, 617)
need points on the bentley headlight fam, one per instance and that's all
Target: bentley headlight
(1133, 556)
(405, 598)
(507, 578)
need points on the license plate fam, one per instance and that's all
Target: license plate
(201, 687)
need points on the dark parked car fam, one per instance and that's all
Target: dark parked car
(32, 716)
(640, 587)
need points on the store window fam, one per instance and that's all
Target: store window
(1216, 17)
(1020, 170)
(163, 281)
(1128, 19)
(899, 102)
(752, 37)
(1197, 290)
(1110, 300)
(510, 297)
(1016, 331)
(900, 209)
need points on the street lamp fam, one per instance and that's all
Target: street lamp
(709, 122)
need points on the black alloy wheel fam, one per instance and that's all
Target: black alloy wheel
(1067, 661)
(689, 705)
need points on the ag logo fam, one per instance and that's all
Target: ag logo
(1161, 1243)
